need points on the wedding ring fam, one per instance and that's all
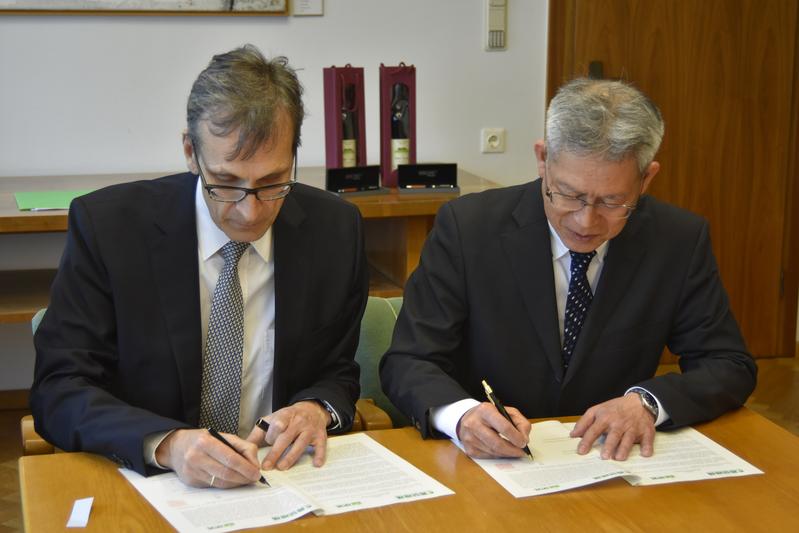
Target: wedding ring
(211, 484)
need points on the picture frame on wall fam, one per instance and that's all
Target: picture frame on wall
(145, 7)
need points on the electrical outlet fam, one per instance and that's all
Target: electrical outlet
(492, 140)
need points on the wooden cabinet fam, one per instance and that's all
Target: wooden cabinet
(395, 224)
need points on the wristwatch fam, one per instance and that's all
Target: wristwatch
(647, 400)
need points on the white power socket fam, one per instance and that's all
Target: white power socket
(492, 140)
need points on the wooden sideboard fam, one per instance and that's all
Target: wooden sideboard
(396, 225)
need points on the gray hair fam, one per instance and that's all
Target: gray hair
(610, 119)
(243, 90)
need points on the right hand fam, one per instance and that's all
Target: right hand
(481, 430)
(198, 458)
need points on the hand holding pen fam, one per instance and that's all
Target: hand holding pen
(215, 434)
(501, 408)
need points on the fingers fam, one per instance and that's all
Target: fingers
(482, 428)
(198, 459)
(522, 424)
(291, 430)
(623, 421)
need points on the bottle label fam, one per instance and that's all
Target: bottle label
(400, 151)
(349, 154)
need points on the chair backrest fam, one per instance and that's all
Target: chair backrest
(377, 328)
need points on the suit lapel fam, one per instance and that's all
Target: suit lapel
(529, 253)
(173, 245)
(293, 256)
(625, 253)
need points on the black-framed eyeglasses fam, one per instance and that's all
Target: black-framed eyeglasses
(232, 194)
(566, 202)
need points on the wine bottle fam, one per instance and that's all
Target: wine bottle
(349, 128)
(400, 124)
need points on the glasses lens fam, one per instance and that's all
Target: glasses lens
(226, 195)
(275, 193)
(566, 203)
(613, 210)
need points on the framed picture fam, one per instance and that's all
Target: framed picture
(144, 7)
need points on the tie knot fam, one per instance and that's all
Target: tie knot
(580, 261)
(233, 251)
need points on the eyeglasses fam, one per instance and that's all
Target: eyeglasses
(565, 202)
(231, 194)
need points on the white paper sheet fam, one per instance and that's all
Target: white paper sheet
(359, 473)
(682, 455)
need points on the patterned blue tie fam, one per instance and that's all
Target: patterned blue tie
(577, 303)
(221, 378)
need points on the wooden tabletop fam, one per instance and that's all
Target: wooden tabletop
(387, 203)
(769, 502)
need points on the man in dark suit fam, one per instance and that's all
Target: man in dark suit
(562, 294)
(208, 299)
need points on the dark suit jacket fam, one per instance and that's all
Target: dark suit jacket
(481, 305)
(118, 353)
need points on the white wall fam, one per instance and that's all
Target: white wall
(83, 95)
(107, 94)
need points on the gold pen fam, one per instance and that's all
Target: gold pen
(501, 408)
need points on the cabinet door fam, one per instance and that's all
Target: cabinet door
(723, 74)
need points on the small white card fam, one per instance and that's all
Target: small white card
(80, 512)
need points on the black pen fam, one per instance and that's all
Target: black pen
(501, 408)
(215, 434)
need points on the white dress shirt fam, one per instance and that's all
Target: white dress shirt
(445, 418)
(257, 278)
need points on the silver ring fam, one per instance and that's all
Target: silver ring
(213, 477)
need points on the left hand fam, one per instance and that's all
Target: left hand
(624, 421)
(298, 425)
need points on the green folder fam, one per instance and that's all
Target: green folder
(46, 200)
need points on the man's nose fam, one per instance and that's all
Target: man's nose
(249, 207)
(587, 216)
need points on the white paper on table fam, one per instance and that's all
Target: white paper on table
(681, 455)
(191, 509)
(358, 474)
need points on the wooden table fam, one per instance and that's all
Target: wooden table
(769, 502)
(396, 225)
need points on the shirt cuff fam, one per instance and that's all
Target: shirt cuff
(151, 443)
(335, 420)
(663, 415)
(445, 418)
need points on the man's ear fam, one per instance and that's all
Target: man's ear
(651, 170)
(188, 153)
(540, 149)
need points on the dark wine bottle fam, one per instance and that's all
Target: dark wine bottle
(400, 125)
(349, 128)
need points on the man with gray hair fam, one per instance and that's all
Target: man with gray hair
(563, 293)
(208, 301)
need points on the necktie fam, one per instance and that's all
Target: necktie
(221, 377)
(577, 303)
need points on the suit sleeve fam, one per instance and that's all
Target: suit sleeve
(338, 381)
(718, 373)
(77, 357)
(417, 371)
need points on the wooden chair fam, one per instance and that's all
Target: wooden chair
(370, 414)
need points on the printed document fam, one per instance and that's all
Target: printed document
(358, 474)
(681, 455)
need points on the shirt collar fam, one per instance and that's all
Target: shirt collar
(210, 239)
(559, 250)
